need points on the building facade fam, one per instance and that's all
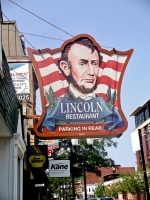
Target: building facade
(92, 180)
(12, 146)
(142, 123)
(25, 85)
(18, 86)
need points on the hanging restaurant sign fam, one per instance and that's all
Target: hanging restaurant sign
(80, 89)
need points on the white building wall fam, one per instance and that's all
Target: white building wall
(5, 168)
(90, 188)
(11, 166)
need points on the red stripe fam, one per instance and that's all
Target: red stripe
(56, 76)
(60, 92)
(45, 62)
(48, 61)
(53, 77)
(112, 65)
(56, 60)
(102, 66)
(108, 81)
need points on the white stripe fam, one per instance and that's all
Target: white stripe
(56, 55)
(110, 73)
(53, 68)
(106, 57)
(114, 57)
(100, 72)
(42, 56)
(65, 83)
(49, 69)
(101, 88)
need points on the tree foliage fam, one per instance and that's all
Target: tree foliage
(57, 186)
(112, 191)
(132, 183)
(100, 191)
(95, 157)
(127, 183)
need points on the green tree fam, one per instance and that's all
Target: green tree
(95, 157)
(141, 173)
(57, 186)
(133, 183)
(114, 190)
(100, 191)
(129, 183)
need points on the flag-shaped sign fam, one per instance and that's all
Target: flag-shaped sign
(80, 89)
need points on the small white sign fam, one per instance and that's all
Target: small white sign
(59, 168)
(20, 76)
(135, 141)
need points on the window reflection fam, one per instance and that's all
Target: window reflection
(142, 116)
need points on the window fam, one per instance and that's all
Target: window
(146, 113)
(142, 116)
(137, 121)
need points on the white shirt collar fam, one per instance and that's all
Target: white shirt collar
(82, 96)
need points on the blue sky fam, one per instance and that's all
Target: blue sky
(119, 24)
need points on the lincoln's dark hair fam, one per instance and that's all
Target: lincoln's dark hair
(82, 41)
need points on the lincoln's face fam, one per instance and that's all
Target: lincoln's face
(84, 68)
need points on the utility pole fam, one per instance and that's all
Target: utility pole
(144, 166)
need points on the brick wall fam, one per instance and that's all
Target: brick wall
(92, 178)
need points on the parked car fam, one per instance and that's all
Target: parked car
(92, 199)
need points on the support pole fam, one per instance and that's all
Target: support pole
(63, 194)
(144, 166)
(73, 184)
(85, 195)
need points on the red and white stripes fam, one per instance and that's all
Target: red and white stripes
(109, 73)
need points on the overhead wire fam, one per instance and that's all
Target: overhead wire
(32, 47)
(46, 37)
(35, 35)
(22, 75)
(41, 36)
(20, 33)
(29, 43)
(41, 18)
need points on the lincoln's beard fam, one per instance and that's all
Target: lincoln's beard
(81, 88)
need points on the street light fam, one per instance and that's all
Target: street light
(83, 150)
